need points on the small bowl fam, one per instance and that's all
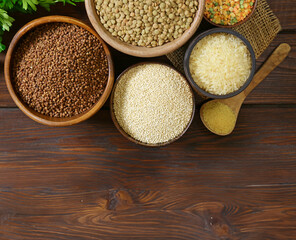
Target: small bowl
(192, 45)
(46, 120)
(137, 50)
(238, 23)
(127, 136)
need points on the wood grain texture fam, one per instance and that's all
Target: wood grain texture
(278, 56)
(279, 87)
(88, 182)
(285, 10)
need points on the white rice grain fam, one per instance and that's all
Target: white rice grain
(220, 63)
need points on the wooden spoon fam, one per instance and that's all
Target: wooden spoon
(235, 103)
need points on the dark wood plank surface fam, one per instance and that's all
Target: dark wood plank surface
(88, 182)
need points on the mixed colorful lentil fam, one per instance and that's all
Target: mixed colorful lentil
(228, 12)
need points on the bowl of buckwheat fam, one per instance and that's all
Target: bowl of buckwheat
(58, 71)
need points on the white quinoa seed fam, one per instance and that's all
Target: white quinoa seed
(153, 103)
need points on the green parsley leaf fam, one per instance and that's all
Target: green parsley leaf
(5, 20)
(24, 6)
(30, 3)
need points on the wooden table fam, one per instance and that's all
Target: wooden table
(88, 182)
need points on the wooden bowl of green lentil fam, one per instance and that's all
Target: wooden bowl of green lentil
(145, 44)
(210, 14)
(89, 110)
(143, 100)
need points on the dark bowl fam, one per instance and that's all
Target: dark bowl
(192, 45)
(238, 23)
(126, 135)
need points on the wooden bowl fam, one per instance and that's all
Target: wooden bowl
(46, 120)
(120, 129)
(142, 51)
(194, 85)
(238, 23)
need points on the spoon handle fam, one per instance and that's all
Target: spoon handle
(278, 55)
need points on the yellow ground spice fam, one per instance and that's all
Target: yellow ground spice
(218, 117)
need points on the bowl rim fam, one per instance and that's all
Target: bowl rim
(238, 23)
(143, 51)
(126, 135)
(194, 85)
(34, 115)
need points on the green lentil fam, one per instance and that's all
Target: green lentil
(128, 20)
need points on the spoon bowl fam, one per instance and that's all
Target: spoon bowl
(218, 117)
(234, 104)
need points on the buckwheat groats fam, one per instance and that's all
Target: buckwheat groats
(59, 69)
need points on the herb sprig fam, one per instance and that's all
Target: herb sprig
(25, 6)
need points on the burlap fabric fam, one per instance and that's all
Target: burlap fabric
(260, 30)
